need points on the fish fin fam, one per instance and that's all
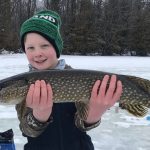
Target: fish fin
(143, 83)
(82, 110)
(135, 109)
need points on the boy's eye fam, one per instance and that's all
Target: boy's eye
(44, 45)
(30, 48)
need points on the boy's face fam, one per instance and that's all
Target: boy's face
(40, 52)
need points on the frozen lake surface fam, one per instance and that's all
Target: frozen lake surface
(118, 131)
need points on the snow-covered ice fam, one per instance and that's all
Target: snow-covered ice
(118, 131)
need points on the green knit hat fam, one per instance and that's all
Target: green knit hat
(46, 23)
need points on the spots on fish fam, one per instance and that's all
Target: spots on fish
(75, 86)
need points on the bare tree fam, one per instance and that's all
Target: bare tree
(5, 22)
(88, 26)
(20, 10)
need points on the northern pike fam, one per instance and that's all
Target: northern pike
(75, 86)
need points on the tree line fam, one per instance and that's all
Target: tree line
(89, 27)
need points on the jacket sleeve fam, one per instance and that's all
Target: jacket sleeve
(29, 125)
(80, 124)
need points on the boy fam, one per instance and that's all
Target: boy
(56, 126)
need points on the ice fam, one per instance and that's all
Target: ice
(118, 130)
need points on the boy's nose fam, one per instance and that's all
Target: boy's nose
(38, 52)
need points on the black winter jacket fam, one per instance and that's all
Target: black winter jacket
(61, 134)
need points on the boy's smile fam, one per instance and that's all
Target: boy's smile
(40, 61)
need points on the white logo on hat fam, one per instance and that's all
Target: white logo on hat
(46, 17)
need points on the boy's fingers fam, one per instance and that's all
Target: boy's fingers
(43, 99)
(37, 93)
(49, 95)
(118, 92)
(95, 89)
(29, 97)
(112, 86)
(102, 90)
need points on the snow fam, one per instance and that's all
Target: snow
(118, 130)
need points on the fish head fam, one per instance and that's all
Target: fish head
(13, 90)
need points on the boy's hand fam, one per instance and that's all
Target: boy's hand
(39, 98)
(102, 98)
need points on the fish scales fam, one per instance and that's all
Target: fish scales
(69, 86)
(76, 86)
